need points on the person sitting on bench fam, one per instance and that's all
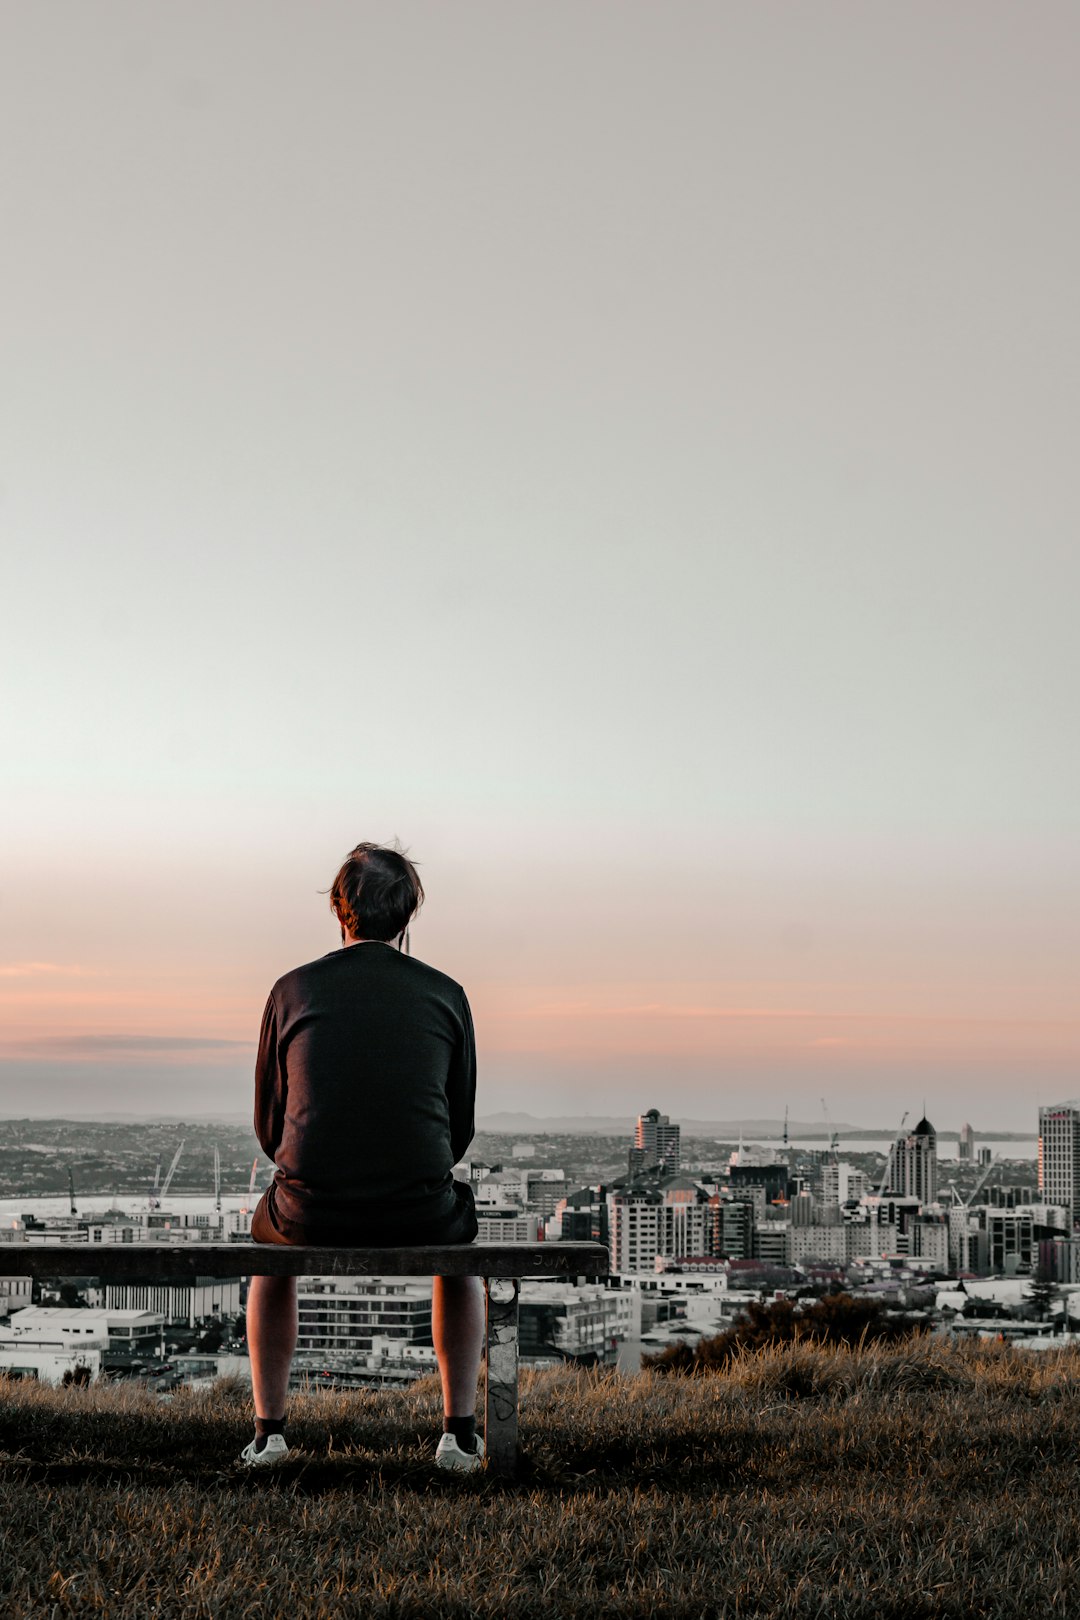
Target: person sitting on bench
(365, 1088)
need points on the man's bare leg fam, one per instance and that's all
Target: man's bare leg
(271, 1339)
(457, 1328)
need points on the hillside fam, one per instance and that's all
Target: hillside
(899, 1483)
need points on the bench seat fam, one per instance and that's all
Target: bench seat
(500, 1265)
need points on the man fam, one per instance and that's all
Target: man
(365, 1087)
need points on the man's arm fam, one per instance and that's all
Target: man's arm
(461, 1087)
(270, 1086)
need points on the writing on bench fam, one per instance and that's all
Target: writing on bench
(502, 1266)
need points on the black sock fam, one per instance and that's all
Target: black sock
(265, 1427)
(463, 1430)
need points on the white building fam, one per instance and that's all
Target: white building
(671, 1216)
(510, 1226)
(15, 1292)
(47, 1343)
(569, 1322)
(49, 1361)
(178, 1302)
(819, 1242)
(117, 1329)
(535, 1192)
(928, 1242)
(842, 1182)
(346, 1314)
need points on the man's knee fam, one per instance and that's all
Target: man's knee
(459, 1285)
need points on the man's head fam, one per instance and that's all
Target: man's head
(376, 892)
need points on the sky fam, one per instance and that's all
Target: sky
(626, 454)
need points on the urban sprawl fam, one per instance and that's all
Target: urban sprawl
(974, 1244)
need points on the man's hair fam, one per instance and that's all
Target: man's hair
(376, 892)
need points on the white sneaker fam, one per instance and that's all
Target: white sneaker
(449, 1454)
(274, 1451)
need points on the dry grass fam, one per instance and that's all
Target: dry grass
(893, 1482)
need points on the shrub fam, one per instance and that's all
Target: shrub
(837, 1319)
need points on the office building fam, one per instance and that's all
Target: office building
(668, 1216)
(772, 1243)
(1010, 1238)
(581, 1217)
(344, 1315)
(773, 1178)
(912, 1169)
(965, 1150)
(814, 1242)
(656, 1141)
(564, 1322)
(842, 1183)
(1060, 1259)
(731, 1228)
(928, 1242)
(1059, 1156)
(506, 1226)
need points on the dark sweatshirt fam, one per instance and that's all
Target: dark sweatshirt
(365, 1087)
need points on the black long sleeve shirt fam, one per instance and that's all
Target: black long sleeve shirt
(365, 1089)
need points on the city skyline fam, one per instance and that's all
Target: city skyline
(658, 517)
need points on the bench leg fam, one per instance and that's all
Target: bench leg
(501, 1378)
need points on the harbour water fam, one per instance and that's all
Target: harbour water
(1019, 1147)
(94, 1205)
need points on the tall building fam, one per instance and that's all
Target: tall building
(773, 1178)
(966, 1147)
(913, 1164)
(841, 1181)
(731, 1227)
(670, 1216)
(656, 1141)
(1059, 1156)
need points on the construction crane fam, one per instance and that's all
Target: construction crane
(245, 1207)
(834, 1135)
(167, 1183)
(888, 1156)
(980, 1184)
(217, 1180)
(153, 1201)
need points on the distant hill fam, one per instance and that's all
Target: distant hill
(620, 1125)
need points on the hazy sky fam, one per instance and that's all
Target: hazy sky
(626, 452)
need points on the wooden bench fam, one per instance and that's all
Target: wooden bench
(501, 1265)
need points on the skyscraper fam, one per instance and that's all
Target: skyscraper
(913, 1164)
(966, 1147)
(656, 1141)
(1059, 1155)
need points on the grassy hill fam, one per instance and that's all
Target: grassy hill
(892, 1482)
